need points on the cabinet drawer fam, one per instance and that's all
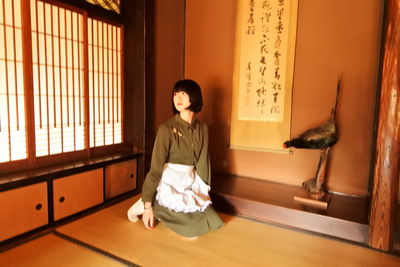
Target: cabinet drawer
(77, 192)
(120, 178)
(23, 209)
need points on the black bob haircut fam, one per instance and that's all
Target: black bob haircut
(191, 88)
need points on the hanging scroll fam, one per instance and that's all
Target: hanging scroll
(264, 59)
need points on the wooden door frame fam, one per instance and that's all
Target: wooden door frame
(386, 168)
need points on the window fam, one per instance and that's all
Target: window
(12, 106)
(113, 5)
(75, 74)
(57, 79)
(104, 83)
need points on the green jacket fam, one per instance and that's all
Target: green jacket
(178, 142)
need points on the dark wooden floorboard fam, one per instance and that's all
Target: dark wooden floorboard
(346, 216)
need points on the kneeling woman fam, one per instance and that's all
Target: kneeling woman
(176, 188)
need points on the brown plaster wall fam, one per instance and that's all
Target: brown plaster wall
(333, 37)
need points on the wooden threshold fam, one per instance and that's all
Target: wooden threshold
(346, 217)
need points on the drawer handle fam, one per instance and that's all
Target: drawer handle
(132, 175)
(62, 199)
(38, 206)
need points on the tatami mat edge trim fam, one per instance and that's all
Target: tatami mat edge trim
(95, 249)
(21, 241)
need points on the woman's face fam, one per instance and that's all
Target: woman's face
(181, 101)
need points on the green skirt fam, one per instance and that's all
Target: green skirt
(188, 224)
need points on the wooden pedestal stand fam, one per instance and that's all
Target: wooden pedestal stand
(313, 193)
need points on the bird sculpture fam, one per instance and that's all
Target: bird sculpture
(320, 137)
(323, 138)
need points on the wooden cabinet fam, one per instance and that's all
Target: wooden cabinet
(77, 192)
(26, 208)
(120, 178)
(23, 209)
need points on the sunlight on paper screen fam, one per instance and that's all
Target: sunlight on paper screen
(104, 83)
(58, 72)
(12, 101)
(57, 42)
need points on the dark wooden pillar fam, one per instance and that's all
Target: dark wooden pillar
(139, 79)
(386, 173)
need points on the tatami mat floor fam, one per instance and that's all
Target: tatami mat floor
(51, 250)
(107, 238)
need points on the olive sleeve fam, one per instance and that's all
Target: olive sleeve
(158, 159)
(203, 163)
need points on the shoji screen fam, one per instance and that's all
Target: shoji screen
(76, 77)
(12, 105)
(105, 92)
(58, 78)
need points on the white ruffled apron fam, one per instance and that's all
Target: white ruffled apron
(182, 190)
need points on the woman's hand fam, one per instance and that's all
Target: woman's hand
(148, 216)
